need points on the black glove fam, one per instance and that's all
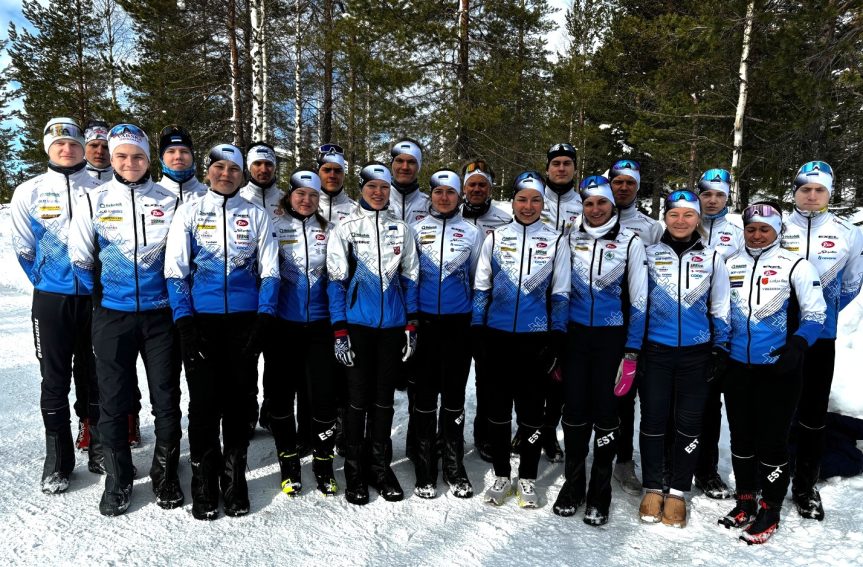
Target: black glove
(790, 355)
(260, 330)
(191, 344)
(718, 364)
(552, 353)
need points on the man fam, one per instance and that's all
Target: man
(96, 150)
(625, 178)
(713, 190)
(177, 158)
(834, 246)
(408, 203)
(117, 247)
(562, 203)
(479, 210)
(335, 204)
(42, 210)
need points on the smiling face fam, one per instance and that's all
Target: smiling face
(477, 190)
(305, 201)
(681, 222)
(624, 188)
(811, 197)
(712, 201)
(130, 162)
(405, 169)
(376, 193)
(225, 176)
(597, 210)
(65, 153)
(527, 205)
(759, 234)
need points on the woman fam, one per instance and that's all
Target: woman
(687, 329)
(448, 250)
(373, 269)
(606, 327)
(221, 262)
(777, 313)
(522, 294)
(304, 335)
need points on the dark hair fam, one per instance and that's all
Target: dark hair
(285, 203)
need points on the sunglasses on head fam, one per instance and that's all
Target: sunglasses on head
(626, 164)
(562, 147)
(61, 129)
(124, 128)
(682, 195)
(760, 210)
(816, 166)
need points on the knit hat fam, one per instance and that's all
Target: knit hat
(228, 152)
(409, 147)
(305, 179)
(128, 134)
(446, 178)
(96, 130)
(528, 180)
(815, 172)
(261, 151)
(626, 167)
(61, 129)
(715, 180)
(563, 149)
(375, 170)
(596, 186)
(174, 135)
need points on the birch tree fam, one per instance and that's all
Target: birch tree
(741, 106)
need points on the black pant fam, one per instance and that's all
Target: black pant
(62, 336)
(626, 414)
(443, 362)
(761, 404)
(371, 383)
(675, 379)
(818, 367)
(118, 338)
(304, 367)
(218, 387)
(593, 356)
(708, 457)
(516, 375)
(480, 376)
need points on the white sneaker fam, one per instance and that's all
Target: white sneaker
(527, 496)
(624, 473)
(499, 491)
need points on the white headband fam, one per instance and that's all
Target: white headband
(128, 134)
(334, 158)
(446, 178)
(305, 179)
(409, 148)
(596, 186)
(261, 153)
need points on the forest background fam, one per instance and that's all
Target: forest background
(755, 86)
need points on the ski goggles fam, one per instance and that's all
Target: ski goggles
(595, 186)
(763, 212)
(682, 198)
(715, 180)
(814, 172)
(529, 179)
(561, 149)
(63, 130)
(331, 153)
(478, 167)
(626, 167)
(128, 134)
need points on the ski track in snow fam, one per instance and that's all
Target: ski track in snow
(67, 529)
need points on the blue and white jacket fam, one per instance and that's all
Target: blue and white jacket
(688, 295)
(522, 280)
(335, 208)
(486, 220)
(189, 190)
(409, 207)
(269, 199)
(834, 246)
(100, 175)
(448, 252)
(773, 295)
(609, 282)
(121, 239)
(222, 258)
(648, 230)
(725, 237)
(373, 270)
(42, 212)
(561, 212)
(303, 267)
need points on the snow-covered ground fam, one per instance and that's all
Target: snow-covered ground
(68, 530)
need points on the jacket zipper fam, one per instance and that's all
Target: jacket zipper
(749, 318)
(225, 246)
(679, 304)
(144, 228)
(135, 259)
(529, 259)
(518, 288)
(592, 259)
(808, 231)
(687, 275)
(710, 234)
(69, 204)
(440, 267)
(308, 279)
(380, 263)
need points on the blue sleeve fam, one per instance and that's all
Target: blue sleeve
(481, 299)
(559, 312)
(180, 297)
(268, 295)
(637, 285)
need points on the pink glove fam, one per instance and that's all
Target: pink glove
(556, 374)
(625, 376)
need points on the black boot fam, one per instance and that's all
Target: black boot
(571, 495)
(381, 475)
(323, 436)
(806, 472)
(118, 481)
(59, 460)
(164, 477)
(95, 456)
(205, 485)
(340, 432)
(452, 457)
(356, 491)
(289, 466)
(235, 491)
(599, 491)
(425, 463)
(550, 445)
(411, 433)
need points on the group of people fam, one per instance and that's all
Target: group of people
(569, 307)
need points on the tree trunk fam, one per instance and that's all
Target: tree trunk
(327, 111)
(265, 75)
(256, 54)
(737, 154)
(298, 99)
(463, 147)
(237, 112)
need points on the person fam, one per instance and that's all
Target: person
(408, 203)
(117, 248)
(562, 203)
(687, 330)
(263, 191)
(607, 305)
(303, 336)
(222, 271)
(42, 211)
(777, 312)
(448, 251)
(335, 203)
(177, 159)
(625, 178)
(479, 210)
(373, 268)
(726, 238)
(96, 150)
(834, 246)
(521, 298)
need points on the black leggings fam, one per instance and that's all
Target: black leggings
(760, 405)
(443, 362)
(516, 375)
(818, 366)
(675, 379)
